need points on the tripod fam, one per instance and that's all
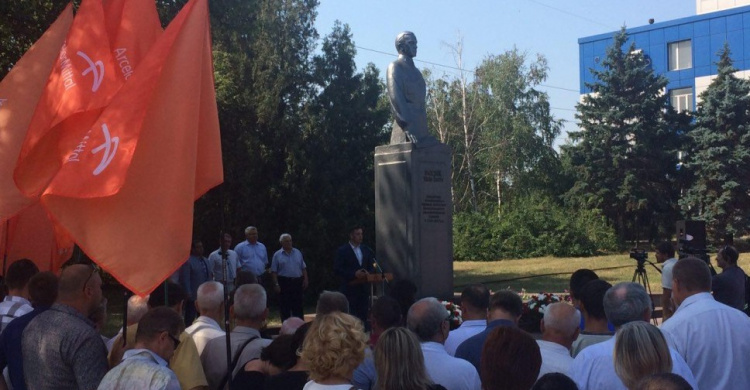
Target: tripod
(641, 276)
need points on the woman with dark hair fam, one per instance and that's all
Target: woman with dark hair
(510, 360)
(279, 366)
(277, 357)
(295, 377)
(399, 362)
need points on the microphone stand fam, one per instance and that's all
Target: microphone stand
(224, 261)
(383, 280)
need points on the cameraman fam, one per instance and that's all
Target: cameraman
(729, 286)
(665, 254)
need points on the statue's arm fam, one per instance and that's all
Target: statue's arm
(396, 95)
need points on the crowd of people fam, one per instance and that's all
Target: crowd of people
(51, 333)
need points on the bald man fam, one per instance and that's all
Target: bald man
(560, 327)
(61, 348)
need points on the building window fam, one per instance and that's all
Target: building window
(680, 55)
(682, 99)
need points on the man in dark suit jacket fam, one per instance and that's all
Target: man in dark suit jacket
(196, 271)
(353, 263)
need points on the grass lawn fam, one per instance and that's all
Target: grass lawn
(541, 274)
(551, 274)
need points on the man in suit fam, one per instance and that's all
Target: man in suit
(353, 263)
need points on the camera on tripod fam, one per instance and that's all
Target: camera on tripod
(640, 255)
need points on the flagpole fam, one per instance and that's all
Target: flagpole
(5, 247)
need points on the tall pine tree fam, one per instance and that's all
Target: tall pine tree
(624, 157)
(719, 156)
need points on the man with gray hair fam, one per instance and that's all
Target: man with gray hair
(252, 254)
(330, 302)
(713, 338)
(594, 367)
(210, 307)
(137, 307)
(560, 327)
(289, 273)
(249, 312)
(428, 318)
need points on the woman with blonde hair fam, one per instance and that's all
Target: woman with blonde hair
(333, 348)
(640, 351)
(399, 362)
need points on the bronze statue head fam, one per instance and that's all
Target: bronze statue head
(406, 44)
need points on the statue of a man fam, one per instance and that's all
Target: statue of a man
(406, 91)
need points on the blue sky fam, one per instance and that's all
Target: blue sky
(548, 27)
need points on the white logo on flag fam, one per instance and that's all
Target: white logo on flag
(96, 67)
(109, 149)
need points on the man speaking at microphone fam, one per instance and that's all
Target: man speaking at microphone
(352, 264)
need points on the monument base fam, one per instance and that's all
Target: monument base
(413, 216)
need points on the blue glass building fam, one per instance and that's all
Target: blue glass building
(684, 50)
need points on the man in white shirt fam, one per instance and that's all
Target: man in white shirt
(475, 299)
(210, 307)
(713, 338)
(17, 303)
(594, 367)
(429, 320)
(665, 254)
(216, 259)
(560, 327)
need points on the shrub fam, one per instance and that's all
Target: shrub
(531, 227)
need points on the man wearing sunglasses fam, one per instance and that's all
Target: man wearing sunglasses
(61, 348)
(145, 366)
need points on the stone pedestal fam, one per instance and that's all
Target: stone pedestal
(413, 216)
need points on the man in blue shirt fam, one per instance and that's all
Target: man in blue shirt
(252, 254)
(145, 366)
(289, 273)
(505, 310)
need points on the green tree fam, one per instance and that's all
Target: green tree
(518, 132)
(262, 60)
(21, 24)
(500, 127)
(719, 155)
(624, 158)
(344, 120)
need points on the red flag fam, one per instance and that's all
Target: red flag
(25, 229)
(83, 81)
(20, 91)
(132, 27)
(127, 198)
(30, 234)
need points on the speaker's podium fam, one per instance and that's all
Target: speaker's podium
(374, 279)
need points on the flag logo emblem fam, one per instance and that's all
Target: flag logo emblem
(109, 147)
(96, 67)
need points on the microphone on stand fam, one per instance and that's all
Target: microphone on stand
(377, 265)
